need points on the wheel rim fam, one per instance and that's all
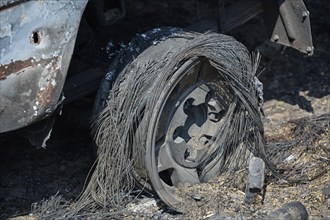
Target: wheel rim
(183, 128)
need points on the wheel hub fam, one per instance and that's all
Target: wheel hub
(195, 119)
(187, 127)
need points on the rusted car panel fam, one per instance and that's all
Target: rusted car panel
(37, 40)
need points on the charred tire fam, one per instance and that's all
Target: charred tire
(183, 90)
(183, 130)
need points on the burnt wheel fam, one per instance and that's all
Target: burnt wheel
(175, 110)
(184, 127)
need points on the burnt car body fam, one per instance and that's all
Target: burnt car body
(37, 40)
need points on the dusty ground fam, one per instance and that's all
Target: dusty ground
(295, 86)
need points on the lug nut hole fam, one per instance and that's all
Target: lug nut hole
(187, 105)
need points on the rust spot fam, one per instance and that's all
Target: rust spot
(45, 96)
(16, 67)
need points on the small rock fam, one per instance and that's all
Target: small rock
(197, 197)
(326, 192)
(293, 210)
(147, 205)
(255, 181)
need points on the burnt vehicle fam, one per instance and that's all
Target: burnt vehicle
(46, 64)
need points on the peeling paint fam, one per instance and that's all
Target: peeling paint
(35, 36)
(19, 66)
(15, 67)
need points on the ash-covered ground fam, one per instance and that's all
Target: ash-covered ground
(295, 86)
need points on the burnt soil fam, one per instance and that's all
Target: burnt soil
(295, 86)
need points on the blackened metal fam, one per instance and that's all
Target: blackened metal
(82, 84)
(286, 17)
(107, 12)
(241, 12)
(197, 9)
(222, 15)
(288, 24)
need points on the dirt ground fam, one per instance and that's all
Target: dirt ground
(295, 86)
